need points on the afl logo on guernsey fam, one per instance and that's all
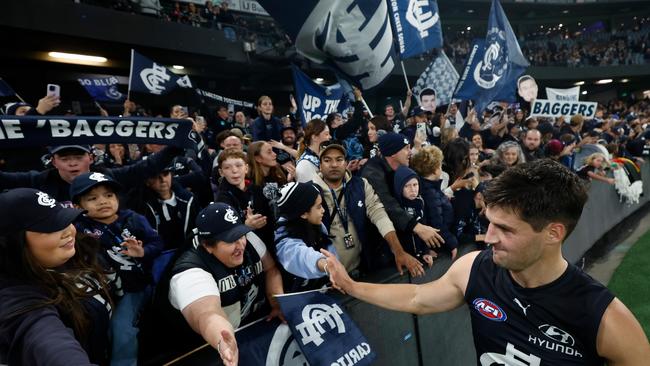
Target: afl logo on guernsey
(489, 310)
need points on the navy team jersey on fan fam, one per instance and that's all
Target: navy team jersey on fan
(553, 324)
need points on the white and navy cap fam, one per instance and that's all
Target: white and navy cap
(33, 210)
(87, 181)
(220, 222)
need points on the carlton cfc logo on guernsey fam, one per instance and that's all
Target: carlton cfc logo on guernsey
(489, 310)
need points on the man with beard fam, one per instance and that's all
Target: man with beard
(350, 205)
(286, 149)
(531, 145)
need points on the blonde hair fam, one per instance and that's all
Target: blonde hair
(427, 160)
(590, 159)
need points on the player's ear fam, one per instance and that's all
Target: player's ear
(556, 232)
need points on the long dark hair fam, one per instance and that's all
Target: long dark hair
(80, 277)
(456, 159)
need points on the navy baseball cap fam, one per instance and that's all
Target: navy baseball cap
(33, 210)
(84, 148)
(87, 181)
(220, 222)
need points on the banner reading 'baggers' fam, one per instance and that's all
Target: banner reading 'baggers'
(63, 130)
(557, 108)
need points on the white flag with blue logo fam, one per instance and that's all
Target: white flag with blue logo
(150, 77)
(440, 76)
(416, 24)
(354, 37)
(496, 66)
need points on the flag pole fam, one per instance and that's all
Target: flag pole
(406, 80)
(367, 108)
(128, 93)
(16, 94)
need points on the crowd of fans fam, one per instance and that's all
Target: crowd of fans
(147, 251)
(185, 238)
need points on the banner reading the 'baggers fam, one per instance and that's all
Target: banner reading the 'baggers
(557, 108)
(27, 131)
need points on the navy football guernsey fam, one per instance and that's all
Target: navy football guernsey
(554, 324)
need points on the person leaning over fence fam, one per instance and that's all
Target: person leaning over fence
(221, 281)
(54, 301)
(526, 301)
(351, 205)
(300, 235)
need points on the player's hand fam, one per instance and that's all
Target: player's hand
(339, 276)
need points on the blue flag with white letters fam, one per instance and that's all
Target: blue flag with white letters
(416, 24)
(492, 69)
(316, 101)
(268, 343)
(103, 89)
(353, 37)
(148, 76)
(324, 332)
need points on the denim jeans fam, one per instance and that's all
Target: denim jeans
(124, 330)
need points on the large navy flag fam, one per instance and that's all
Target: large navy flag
(326, 335)
(495, 65)
(5, 89)
(149, 77)
(314, 100)
(103, 89)
(416, 25)
(441, 76)
(268, 343)
(354, 37)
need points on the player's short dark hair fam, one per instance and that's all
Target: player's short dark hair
(539, 192)
(427, 91)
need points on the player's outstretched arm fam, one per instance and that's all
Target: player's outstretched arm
(621, 340)
(444, 294)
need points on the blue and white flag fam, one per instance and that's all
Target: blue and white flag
(325, 333)
(354, 37)
(149, 77)
(268, 343)
(441, 76)
(492, 68)
(103, 89)
(316, 101)
(416, 25)
(5, 89)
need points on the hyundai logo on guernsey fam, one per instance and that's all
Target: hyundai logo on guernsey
(557, 334)
(489, 310)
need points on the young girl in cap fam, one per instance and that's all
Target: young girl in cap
(49, 285)
(300, 236)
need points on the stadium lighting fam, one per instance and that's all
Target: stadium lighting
(178, 67)
(625, 80)
(470, 11)
(565, 11)
(73, 57)
(584, 92)
(578, 83)
(469, 28)
(560, 26)
(604, 81)
(319, 80)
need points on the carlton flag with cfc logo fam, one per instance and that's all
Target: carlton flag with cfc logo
(324, 332)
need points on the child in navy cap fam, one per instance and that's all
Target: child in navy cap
(129, 246)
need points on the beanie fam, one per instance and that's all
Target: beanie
(391, 143)
(297, 198)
